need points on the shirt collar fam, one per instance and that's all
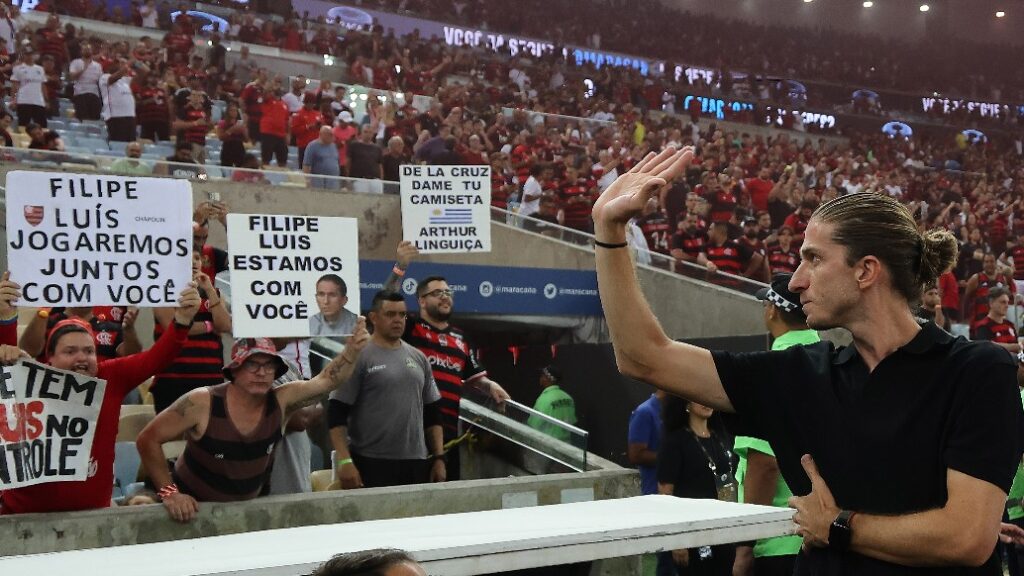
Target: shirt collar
(926, 339)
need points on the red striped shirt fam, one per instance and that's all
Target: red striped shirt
(452, 362)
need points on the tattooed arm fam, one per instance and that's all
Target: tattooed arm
(294, 396)
(189, 414)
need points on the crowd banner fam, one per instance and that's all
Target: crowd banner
(447, 209)
(293, 276)
(47, 424)
(92, 239)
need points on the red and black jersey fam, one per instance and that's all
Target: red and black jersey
(999, 332)
(1017, 254)
(178, 47)
(520, 157)
(691, 244)
(452, 361)
(723, 204)
(783, 261)
(985, 284)
(152, 104)
(997, 232)
(195, 134)
(730, 258)
(107, 331)
(797, 223)
(576, 199)
(500, 187)
(657, 230)
(200, 361)
(51, 42)
(756, 245)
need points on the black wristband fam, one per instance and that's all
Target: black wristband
(189, 325)
(436, 457)
(600, 244)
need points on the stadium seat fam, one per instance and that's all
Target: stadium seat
(173, 449)
(130, 424)
(321, 481)
(126, 467)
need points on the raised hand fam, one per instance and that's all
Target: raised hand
(629, 193)
(360, 337)
(11, 354)
(129, 318)
(406, 252)
(10, 292)
(188, 305)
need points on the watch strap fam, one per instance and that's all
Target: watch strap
(840, 533)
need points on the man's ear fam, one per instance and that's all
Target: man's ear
(869, 270)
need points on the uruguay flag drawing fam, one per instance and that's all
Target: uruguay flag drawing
(451, 216)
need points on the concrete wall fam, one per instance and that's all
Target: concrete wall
(37, 533)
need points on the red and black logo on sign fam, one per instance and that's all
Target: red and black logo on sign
(34, 214)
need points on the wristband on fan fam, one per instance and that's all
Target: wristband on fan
(209, 327)
(609, 245)
(398, 271)
(167, 491)
(344, 461)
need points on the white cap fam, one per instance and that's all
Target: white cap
(345, 116)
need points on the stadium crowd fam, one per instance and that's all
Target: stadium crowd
(742, 68)
(553, 142)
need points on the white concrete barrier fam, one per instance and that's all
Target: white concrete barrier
(449, 545)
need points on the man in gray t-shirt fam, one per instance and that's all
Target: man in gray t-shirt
(321, 157)
(380, 418)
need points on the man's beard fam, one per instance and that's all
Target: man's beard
(436, 314)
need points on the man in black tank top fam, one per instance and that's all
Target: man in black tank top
(231, 428)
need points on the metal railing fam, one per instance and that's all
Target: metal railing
(150, 166)
(644, 258)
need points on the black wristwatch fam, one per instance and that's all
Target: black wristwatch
(840, 533)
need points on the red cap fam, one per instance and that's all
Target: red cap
(245, 348)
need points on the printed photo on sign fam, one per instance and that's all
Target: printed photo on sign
(47, 424)
(293, 276)
(447, 209)
(90, 239)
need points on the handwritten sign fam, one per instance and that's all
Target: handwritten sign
(90, 239)
(293, 276)
(47, 424)
(447, 209)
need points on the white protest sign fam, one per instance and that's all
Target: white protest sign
(91, 239)
(447, 209)
(285, 273)
(47, 424)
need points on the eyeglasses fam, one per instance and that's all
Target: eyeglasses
(440, 292)
(256, 367)
(391, 314)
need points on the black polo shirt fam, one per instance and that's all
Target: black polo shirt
(883, 440)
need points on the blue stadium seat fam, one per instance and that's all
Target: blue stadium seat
(126, 467)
